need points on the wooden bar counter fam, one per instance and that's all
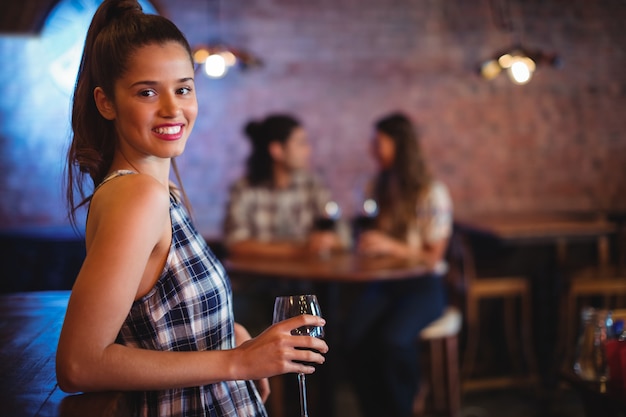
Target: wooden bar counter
(30, 324)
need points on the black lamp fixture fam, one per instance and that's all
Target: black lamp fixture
(217, 58)
(517, 61)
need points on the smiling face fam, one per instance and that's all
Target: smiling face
(154, 106)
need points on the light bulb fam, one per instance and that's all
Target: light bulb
(490, 69)
(521, 70)
(215, 66)
(505, 61)
(200, 55)
(229, 58)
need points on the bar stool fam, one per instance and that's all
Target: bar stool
(509, 289)
(605, 284)
(442, 337)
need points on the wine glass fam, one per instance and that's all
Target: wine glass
(329, 216)
(366, 218)
(294, 305)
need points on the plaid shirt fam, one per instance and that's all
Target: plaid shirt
(189, 309)
(271, 214)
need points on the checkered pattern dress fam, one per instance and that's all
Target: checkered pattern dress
(189, 308)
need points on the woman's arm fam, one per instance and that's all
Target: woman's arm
(125, 229)
(430, 240)
(263, 384)
(375, 242)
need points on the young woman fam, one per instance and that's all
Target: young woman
(151, 308)
(273, 208)
(414, 220)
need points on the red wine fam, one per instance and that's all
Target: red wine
(308, 363)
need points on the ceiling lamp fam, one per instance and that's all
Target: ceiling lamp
(217, 59)
(519, 64)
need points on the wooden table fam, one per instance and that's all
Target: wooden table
(327, 272)
(30, 324)
(338, 267)
(555, 231)
(533, 228)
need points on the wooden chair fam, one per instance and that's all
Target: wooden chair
(442, 337)
(601, 287)
(509, 289)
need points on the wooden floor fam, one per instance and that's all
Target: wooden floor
(499, 403)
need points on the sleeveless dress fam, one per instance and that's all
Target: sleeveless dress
(188, 309)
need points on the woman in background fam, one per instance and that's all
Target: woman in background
(151, 309)
(414, 221)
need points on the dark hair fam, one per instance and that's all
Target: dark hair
(399, 188)
(117, 30)
(274, 128)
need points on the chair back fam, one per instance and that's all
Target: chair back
(461, 268)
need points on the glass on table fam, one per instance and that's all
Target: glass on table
(328, 219)
(366, 218)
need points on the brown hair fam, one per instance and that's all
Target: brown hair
(399, 188)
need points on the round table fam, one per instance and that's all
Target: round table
(326, 273)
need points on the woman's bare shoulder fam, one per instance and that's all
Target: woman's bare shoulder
(132, 188)
(129, 198)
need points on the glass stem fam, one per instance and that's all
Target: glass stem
(303, 407)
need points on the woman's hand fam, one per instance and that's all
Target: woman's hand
(276, 351)
(321, 242)
(374, 242)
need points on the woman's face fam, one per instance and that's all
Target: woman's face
(383, 150)
(297, 150)
(155, 104)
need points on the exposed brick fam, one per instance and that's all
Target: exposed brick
(557, 143)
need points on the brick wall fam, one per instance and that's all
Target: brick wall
(554, 144)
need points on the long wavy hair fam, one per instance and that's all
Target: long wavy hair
(117, 30)
(274, 128)
(399, 188)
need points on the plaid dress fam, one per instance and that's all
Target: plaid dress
(189, 308)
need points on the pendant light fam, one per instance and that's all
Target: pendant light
(519, 62)
(217, 58)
